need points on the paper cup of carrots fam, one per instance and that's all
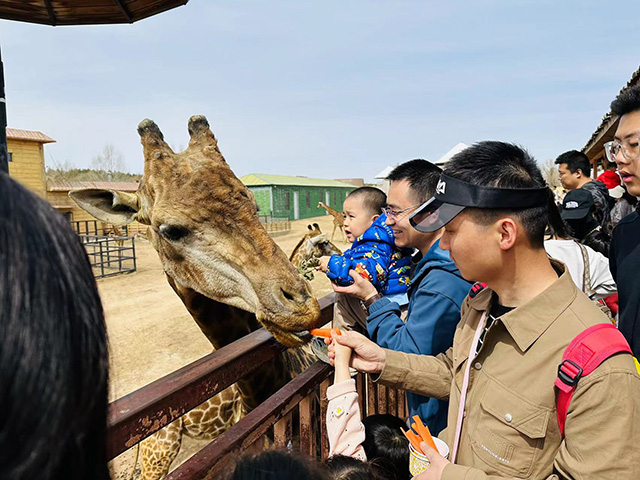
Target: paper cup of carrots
(418, 462)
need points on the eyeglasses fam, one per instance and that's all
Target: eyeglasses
(630, 149)
(398, 214)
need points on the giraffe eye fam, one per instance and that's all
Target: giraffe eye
(173, 233)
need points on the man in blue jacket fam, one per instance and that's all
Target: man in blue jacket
(435, 293)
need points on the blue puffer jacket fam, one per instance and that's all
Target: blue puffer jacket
(374, 256)
(436, 293)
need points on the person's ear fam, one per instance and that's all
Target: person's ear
(578, 173)
(375, 217)
(507, 229)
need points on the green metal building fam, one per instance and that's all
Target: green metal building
(282, 196)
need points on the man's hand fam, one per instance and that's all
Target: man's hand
(366, 356)
(360, 288)
(438, 462)
(323, 263)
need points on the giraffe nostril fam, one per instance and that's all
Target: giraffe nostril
(287, 295)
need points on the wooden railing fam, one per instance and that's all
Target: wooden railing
(295, 414)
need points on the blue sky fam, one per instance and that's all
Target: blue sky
(331, 89)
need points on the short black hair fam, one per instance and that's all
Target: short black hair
(422, 176)
(575, 161)
(278, 464)
(372, 198)
(626, 102)
(350, 468)
(53, 346)
(384, 440)
(500, 164)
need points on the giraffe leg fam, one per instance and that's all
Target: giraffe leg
(334, 231)
(159, 450)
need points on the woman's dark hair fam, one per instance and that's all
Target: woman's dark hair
(276, 465)
(499, 164)
(384, 440)
(556, 226)
(53, 346)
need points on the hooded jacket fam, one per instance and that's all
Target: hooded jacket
(602, 202)
(374, 256)
(436, 293)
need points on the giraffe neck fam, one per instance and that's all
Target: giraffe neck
(223, 324)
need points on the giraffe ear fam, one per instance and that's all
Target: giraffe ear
(109, 206)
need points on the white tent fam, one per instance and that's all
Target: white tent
(447, 156)
(384, 173)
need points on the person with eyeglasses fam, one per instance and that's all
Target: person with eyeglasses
(436, 291)
(624, 251)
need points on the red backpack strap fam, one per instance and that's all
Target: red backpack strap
(583, 355)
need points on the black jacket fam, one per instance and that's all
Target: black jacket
(624, 262)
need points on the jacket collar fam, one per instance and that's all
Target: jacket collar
(528, 322)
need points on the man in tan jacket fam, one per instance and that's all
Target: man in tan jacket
(511, 338)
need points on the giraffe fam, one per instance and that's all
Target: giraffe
(338, 219)
(314, 244)
(221, 262)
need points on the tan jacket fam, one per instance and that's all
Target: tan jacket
(510, 427)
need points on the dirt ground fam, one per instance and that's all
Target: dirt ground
(150, 332)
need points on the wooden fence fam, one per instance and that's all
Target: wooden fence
(273, 224)
(294, 415)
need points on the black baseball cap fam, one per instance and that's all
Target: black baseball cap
(454, 195)
(576, 204)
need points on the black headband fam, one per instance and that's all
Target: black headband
(453, 195)
(457, 192)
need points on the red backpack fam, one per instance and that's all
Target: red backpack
(583, 355)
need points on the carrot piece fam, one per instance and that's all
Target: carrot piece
(413, 439)
(424, 432)
(324, 332)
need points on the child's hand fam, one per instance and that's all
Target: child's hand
(323, 263)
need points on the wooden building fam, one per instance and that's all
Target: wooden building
(594, 149)
(293, 198)
(26, 158)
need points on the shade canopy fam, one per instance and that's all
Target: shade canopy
(83, 12)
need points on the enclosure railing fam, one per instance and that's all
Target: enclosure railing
(296, 413)
(110, 255)
(275, 224)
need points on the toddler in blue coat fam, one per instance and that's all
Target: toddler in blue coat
(373, 254)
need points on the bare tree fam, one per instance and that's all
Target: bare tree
(550, 173)
(109, 161)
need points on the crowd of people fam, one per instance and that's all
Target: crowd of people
(470, 287)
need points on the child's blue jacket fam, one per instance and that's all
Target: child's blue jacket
(374, 256)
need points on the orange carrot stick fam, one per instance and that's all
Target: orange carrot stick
(424, 432)
(413, 439)
(324, 332)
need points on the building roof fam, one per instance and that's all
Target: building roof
(447, 156)
(65, 186)
(258, 179)
(28, 135)
(608, 124)
(81, 12)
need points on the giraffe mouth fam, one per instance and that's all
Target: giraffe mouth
(287, 338)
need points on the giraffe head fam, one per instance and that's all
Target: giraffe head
(205, 228)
